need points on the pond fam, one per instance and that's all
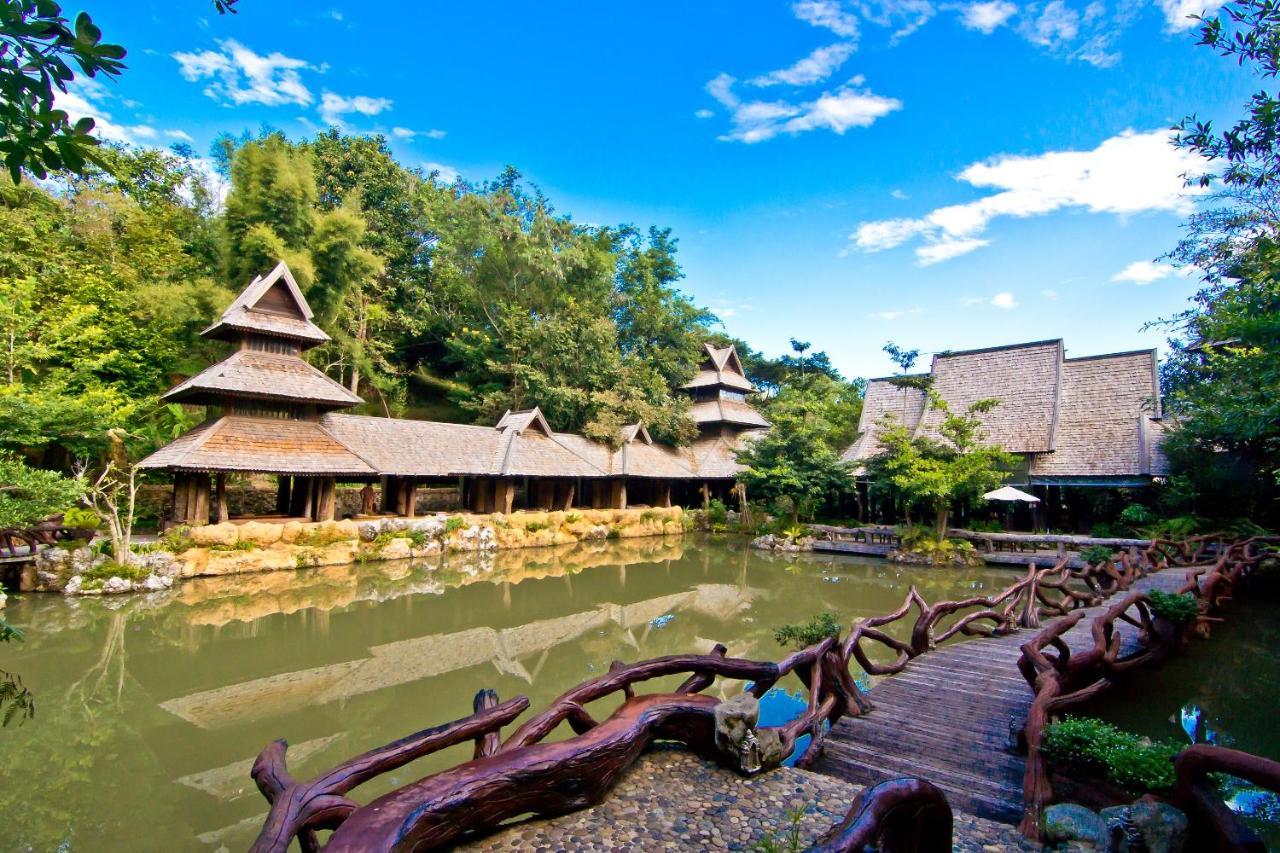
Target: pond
(1223, 691)
(151, 709)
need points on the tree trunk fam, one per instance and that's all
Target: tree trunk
(943, 512)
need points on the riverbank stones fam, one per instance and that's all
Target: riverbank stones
(673, 800)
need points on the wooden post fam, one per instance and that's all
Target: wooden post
(411, 498)
(220, 499)
(706, 496)
(179, 511)
(666, 493)
(282, 494)
(200, 514)
(618, 494)
(504, 495)
(567, 503)
(326, 499)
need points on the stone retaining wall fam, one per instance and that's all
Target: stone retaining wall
(228, 549)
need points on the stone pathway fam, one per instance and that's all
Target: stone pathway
(673, 800)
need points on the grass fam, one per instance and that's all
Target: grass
(238, 545)
(111, 569)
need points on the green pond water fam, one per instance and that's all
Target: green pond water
(1225, 691)
(151, 709)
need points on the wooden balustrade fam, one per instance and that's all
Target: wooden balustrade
(525, 775)
(1062, 679)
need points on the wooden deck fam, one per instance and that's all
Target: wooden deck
(949, 717)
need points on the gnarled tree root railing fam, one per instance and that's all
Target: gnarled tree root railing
(522, 775)
(1062, 679)
(48, 532)
(1214, 826)
(897, 816)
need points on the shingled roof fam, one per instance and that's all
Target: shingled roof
(726, 411)
(272, 306)
(1094, 417)
(260, 446)
(721, 367)
(264, 376)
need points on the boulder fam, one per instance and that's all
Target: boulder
(260, 533)
(291, 530)
(115, 586)
(369, 530)
(216, 534)
(1146, 825)
(751, 750)
(1070, 823)
(397, 549)
(155, 583)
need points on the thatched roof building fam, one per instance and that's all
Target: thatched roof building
(1076, 421)
(270, 412)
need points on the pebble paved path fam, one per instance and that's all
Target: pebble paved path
(673, 800)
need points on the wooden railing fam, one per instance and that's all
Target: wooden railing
(525, 775)
(47, 532)
(1062, 679)
(1216, 827)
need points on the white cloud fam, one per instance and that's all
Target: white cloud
(899, 194)
(905, 16)
(241, 76)
(447, 174)
(1004, 300)
(1126, 174)
(1177, 12)
(704, 114)
(180, 135)
(946, 249)
(1146, 272)
(81, 100)
(814, 68)
(889, 316)
(334, 107)
(849, 106)
(1057, 23)
(409, 133)
(828, 15)
(987, 17)
(1051, 295)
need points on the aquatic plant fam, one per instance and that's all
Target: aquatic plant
(1090, 745)
(801, 636)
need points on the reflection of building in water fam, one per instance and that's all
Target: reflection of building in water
(405, 661)
(232, 780)
(249, 597)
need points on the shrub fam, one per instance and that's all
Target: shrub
(1093, 746)
(1137, 516)
(814, 631)
(717, 513)
(1177, 608)
(80, 517)
(1095, 554)
(111, 569)
(647, 515)
(177, 539)
(453, 524)
(983, 525)
(238, 545)
(535, 526)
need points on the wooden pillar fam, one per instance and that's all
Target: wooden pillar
(664, 492)
(504, 495)
(566, 502)
(200, 512)
(179, 511)
(297, 497)
(706, 496)
(411, 498)
(618, 494)
(220, 511)
(326, 499)
(282, 494)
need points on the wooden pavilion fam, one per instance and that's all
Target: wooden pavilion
(270, 412)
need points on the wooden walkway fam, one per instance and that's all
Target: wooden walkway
(1042, 559)
(951, 715)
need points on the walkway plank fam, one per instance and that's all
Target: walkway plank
(948, 716)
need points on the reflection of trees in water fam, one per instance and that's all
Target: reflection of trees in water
(94, 688)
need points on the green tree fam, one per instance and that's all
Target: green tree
(29, 495)
(796, 465)
(1221, 381)
(957, 465)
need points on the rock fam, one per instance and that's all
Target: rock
(216, 534)
(73, 586)
(115, 586)
(397, 549)
(1146, 825)
(155, 583)
(260, 533)
(369, 530)
(750, 750)
(1068, 822)
(427, 526)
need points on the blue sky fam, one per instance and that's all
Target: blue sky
(946, 175)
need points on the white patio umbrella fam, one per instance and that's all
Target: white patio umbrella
(1009, 493)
